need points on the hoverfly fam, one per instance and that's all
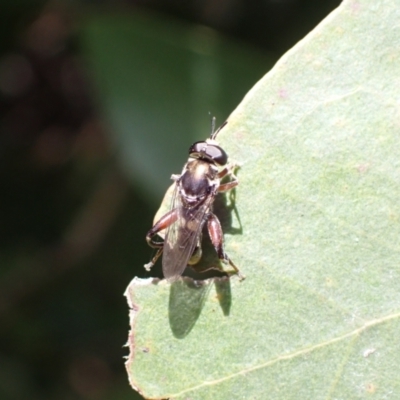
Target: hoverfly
(191, 207)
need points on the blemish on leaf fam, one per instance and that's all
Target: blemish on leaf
(283, 93)
(368, 352)
(371, 388)
(362, 168)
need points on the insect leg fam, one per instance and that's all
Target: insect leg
(148, 266)
(225, 171)
(229, 185)
(217, 239)
(163, 223)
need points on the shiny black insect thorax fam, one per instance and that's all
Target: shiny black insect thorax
(198, 180)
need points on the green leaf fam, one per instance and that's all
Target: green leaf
(318, 201)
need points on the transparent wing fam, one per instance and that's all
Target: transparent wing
(181, 237)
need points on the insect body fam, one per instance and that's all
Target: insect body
(191, 207)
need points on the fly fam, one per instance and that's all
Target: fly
(191, 207)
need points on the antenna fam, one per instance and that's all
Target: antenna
(215, 133)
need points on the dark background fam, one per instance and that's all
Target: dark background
(86, 153)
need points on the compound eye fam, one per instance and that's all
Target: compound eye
(217, 154)
(211, 152)
(198, 148)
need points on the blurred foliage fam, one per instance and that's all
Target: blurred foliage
(79, 89)
(181, 73)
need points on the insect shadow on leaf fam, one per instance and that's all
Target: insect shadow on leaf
(187, 299)
(225, 211)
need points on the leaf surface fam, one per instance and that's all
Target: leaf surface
(318, 202)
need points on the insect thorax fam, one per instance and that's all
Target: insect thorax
(199, 180)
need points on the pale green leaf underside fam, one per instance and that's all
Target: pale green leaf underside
(318, 315)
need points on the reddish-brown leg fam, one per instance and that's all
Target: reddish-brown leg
(224, 172)
(163, 223)
(228, 185)
(229, 169)
(217, 239)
